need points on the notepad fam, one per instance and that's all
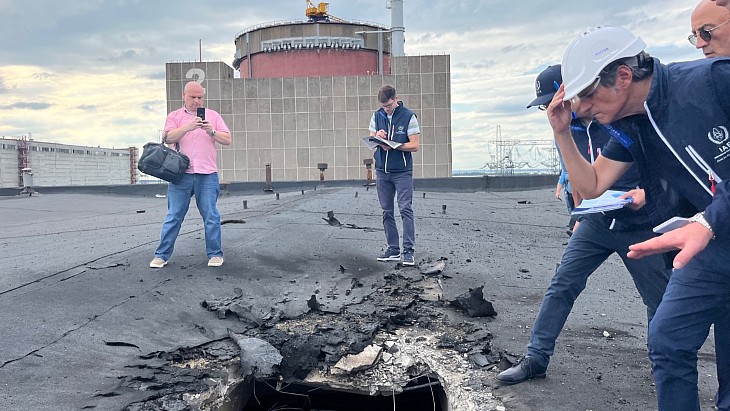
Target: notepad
(605, 202)
(373, 141)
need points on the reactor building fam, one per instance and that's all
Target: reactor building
(306, 91)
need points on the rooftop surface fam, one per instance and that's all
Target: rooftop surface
(82, 313)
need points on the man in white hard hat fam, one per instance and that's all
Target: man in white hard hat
(679, 122)
(597, 237)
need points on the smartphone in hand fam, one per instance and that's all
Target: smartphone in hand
(671, 224)
(201, 113)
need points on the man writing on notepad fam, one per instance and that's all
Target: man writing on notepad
(394, 171)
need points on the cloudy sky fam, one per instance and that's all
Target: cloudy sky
(92, 72)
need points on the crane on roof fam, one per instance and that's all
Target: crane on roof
(319, 13)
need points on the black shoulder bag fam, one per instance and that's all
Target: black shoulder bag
(162, 162)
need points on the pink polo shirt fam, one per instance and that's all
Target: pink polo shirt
(198, 145)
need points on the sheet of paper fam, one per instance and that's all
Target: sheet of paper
(605, 202)
(371, 144)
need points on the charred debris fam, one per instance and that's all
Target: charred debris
(402, 345)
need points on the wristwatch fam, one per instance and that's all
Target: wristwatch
(212, 133)
(700, 218)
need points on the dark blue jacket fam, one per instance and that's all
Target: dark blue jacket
(394, 161)
(689, 140)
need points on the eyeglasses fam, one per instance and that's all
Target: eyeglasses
(585, 93)
(704, 34)
(390, 105)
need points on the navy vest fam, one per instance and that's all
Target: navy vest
(394, 161)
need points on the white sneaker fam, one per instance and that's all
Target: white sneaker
(215, 261)
(157, 262)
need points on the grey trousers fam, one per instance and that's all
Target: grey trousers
(389, 186)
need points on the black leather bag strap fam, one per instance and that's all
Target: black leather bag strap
(177, 145)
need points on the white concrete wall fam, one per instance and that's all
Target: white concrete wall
(8, 164)
(65, 165)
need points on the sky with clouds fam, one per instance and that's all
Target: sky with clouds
(92, 72)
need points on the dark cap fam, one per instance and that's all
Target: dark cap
(545, 85)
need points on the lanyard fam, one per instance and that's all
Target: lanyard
(583, 129)
(619, 135)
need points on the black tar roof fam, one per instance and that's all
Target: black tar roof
(78, 303)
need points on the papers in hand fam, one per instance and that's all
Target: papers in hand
(606, 202)
(373, 141)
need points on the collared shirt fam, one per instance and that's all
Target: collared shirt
(198, 145)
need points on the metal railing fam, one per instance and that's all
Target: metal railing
(285, 22)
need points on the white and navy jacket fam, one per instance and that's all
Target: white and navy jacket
(688, 106)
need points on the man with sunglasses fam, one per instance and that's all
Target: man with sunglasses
(598, 236)
(711, 29)
(714, 40)
(677, 118)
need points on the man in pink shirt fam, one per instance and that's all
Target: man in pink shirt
(196, 138)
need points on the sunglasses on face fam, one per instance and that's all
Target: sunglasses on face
(704, 34)
(587, 92)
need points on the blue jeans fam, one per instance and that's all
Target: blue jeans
(591, 244)
(205, 188)
(697, 296)
(388, 184)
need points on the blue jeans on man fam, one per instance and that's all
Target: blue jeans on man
(388, 185)
(205, 188)
(591, 244)
(697, 296)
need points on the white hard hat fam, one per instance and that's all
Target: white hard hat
(591, 52)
